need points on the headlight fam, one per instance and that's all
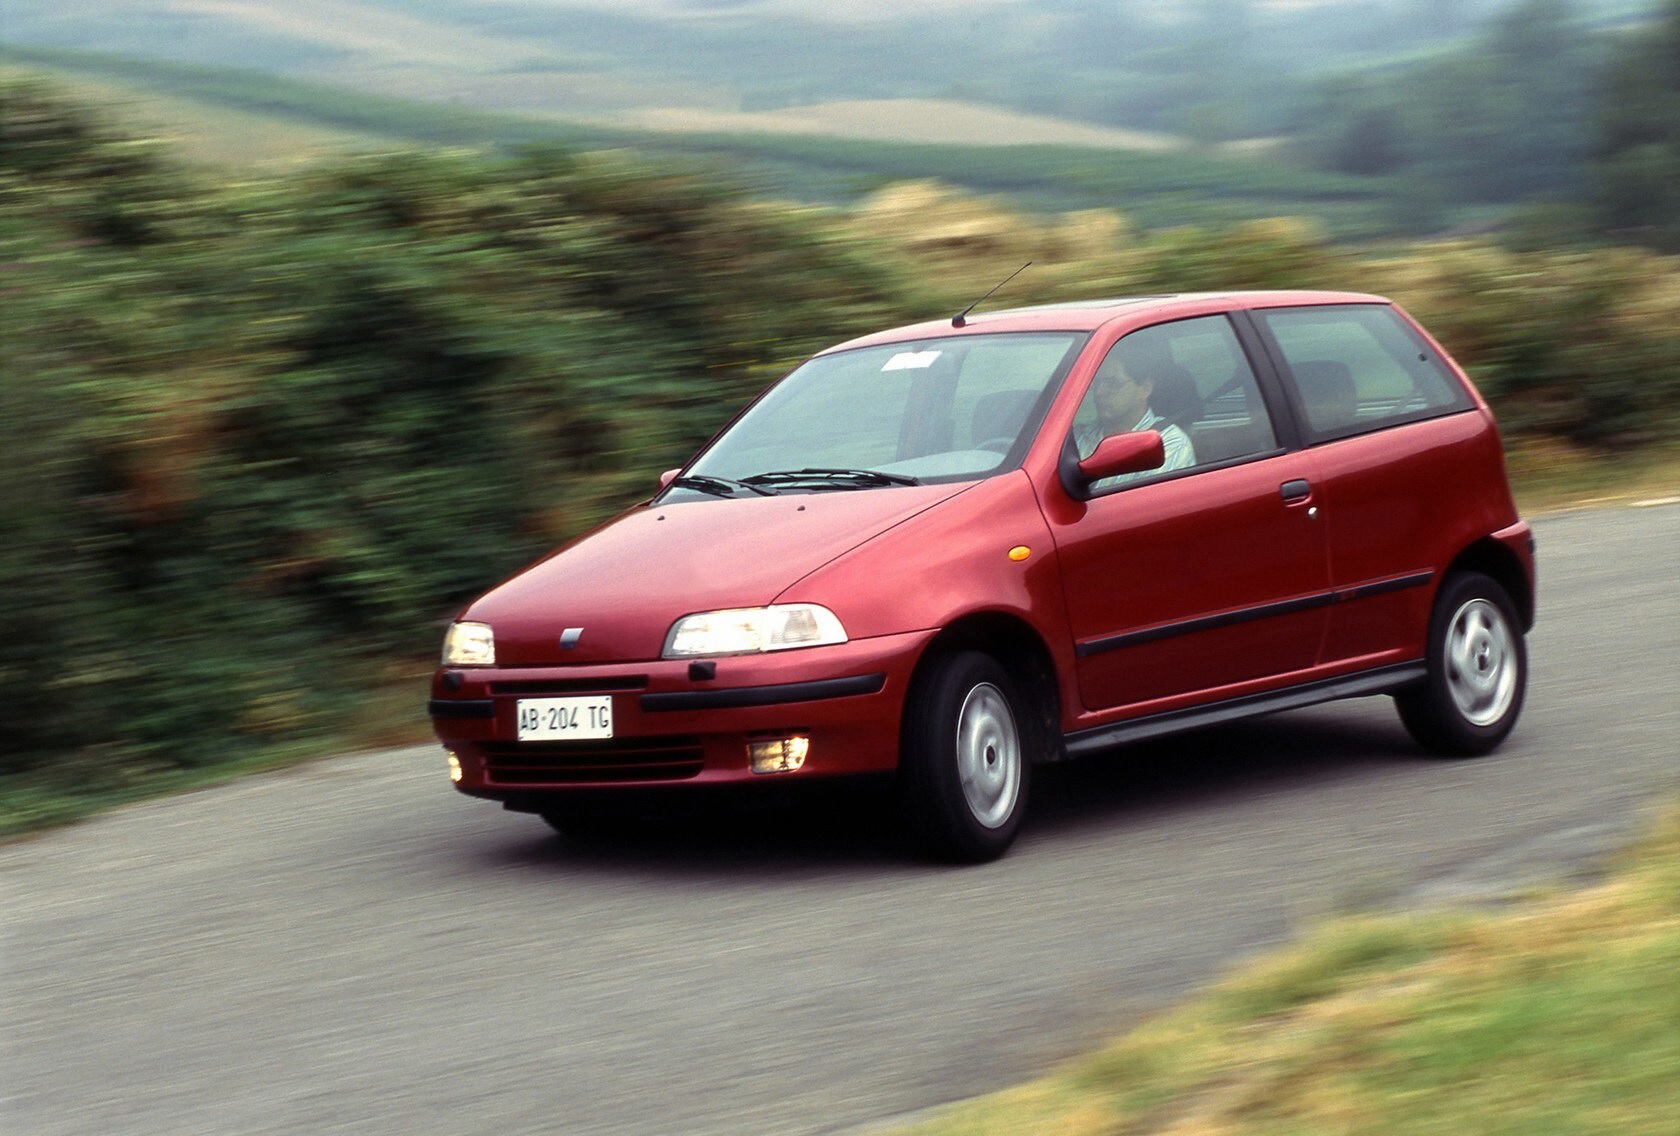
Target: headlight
(469, 645)
(749, 630)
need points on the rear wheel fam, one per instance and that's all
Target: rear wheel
(965, 765)
(1478, 670)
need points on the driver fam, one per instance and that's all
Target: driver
(1120, 396)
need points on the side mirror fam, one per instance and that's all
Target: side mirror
(1133, 452)
(667, 477)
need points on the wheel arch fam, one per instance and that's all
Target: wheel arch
(1493, 559)
(1022, 653)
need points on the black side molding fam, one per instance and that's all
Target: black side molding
(773, 695)
(1202, 623)
(1384, 680)
(1248, 614)
(1383, 587)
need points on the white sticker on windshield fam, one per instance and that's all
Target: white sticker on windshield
(911, 361)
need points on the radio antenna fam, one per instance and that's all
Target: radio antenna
(961, 318)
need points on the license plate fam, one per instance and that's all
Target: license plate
(565, 719)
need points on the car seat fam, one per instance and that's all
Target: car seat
(1327, 390)
(1000, 415)
(1175, 397)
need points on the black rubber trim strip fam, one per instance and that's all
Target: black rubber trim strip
(1202, 623)
(1384, 680)
(462, 708)
(773, 695)
(1383, 587)
(1264, 611)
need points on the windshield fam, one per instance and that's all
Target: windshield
(941, 409)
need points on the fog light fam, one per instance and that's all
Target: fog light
(454, 765)
(782, 755)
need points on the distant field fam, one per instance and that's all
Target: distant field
(239, 117)
(276, 99)
(941, 122)
(204, 133)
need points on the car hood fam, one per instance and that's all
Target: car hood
(627, 582)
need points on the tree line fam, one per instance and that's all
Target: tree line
(1538, 106)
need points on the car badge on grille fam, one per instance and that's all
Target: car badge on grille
(569, 638)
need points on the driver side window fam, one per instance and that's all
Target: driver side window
(1191, 381)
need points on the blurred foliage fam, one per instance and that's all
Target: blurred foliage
(264, 436)
(1505, 117)
(1638, 155)
(1540, 107)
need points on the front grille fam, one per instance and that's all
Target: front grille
(569, 685)
(610, 761)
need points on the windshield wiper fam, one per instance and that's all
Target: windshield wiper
(847, 478)
(718, 486)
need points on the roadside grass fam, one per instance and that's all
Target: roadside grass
(393, 715)
(1558, 1015)
(1549, 476)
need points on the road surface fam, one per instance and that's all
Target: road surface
(351, 947)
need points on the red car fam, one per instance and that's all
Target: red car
(955, 550)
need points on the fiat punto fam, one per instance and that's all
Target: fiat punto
(953, 551)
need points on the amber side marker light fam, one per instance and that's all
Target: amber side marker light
(1019, 553)
(780, 755)
(454, 765)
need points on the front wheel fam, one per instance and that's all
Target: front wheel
(964, 764)
(1478, 670)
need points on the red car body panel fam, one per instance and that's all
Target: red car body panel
(1192, 590)
(1192, 548)
(951, 563)
(630, 579)
(847, 732)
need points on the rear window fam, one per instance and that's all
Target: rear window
(1359, 366)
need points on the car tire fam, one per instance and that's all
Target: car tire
(965, 763)
(1478, 670)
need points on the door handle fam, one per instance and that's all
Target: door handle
(1294, 492)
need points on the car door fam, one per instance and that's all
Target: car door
(1395, 444)
(1203, 582)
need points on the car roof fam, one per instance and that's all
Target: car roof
(1089, 315)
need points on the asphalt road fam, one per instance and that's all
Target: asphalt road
(350, 947)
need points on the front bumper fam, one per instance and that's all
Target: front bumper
(674, 727)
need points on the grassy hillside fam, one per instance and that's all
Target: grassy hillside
(207, 133)
(1232, 68)
(215, 90)
(238, 116)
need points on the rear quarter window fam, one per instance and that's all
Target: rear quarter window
(1356, 367)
